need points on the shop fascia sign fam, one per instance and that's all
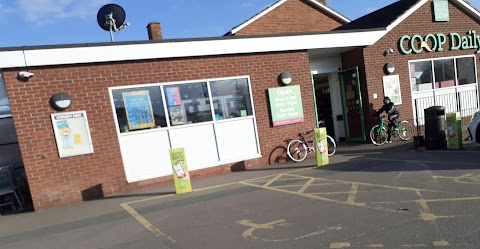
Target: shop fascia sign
(417, 43)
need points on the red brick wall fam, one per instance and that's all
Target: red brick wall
(420, 23)
(293, 16)
(54, 181)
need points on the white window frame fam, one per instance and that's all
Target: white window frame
(162, 86)
(433, 72)
(169, 128)
(435, 89)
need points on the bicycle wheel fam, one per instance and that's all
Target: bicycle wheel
(278, 156)
(297, 150)
(405, 130)
(378, 136)
(332, 146)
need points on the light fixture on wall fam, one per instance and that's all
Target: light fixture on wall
(25, 74)
(390, 67)
(61, 101)
(286, 78)
(388, 51)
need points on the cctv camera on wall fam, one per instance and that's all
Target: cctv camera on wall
(24, 74)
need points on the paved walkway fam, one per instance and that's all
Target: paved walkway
(120, 214)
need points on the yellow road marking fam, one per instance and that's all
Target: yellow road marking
(149, 226)
(428, 216)
(376, 246)
(339, 245)
(248, 234)
(412, 161)
(309, 182)
(440, 243)
(353, 194)
(146, 223)
(272, 180)
(460, 179)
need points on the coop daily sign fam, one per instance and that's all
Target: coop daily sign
(286, 105)
(417, 43)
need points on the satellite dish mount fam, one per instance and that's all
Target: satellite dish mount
(111, 17)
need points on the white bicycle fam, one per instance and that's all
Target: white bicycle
(298, 149)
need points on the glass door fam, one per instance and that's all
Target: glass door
(352, 105)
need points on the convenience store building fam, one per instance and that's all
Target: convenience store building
(132, 102)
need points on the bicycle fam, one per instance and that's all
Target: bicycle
(298, 149)
(378, 133)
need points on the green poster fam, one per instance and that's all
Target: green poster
(440, 9)
(286, 105)
(321, 149)
(180, 171)
(454, 131)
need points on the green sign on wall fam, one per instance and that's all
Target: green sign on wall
(286, 105)
(440, 11)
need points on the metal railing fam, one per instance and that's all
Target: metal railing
(466, 103)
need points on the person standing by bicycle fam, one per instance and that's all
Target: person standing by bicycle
(392, 114)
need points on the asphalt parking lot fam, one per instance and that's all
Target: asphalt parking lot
(369, 197)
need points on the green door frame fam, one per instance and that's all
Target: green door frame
(314, 99)
(345, 119)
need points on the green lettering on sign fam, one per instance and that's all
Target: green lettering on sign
(440, 11)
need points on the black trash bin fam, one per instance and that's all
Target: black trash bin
(435, 137)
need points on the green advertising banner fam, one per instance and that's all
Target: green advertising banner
(180, 171)
(454, 131)
(440, 11)
(322, 146)
(286, 105)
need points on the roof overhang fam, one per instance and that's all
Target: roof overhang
(177, 49)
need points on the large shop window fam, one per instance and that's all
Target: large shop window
(421, 75)
(444, 73)
(139, 108)
(213, 120)
(231, 98)
(437, 74)
(188, 103)
(466, 71)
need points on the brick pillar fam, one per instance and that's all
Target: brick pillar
(154, 31)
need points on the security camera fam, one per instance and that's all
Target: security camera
(24, 74)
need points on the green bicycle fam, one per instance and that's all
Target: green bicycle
(378, 134)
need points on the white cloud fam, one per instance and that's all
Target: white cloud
(48, 11)
(247, 5)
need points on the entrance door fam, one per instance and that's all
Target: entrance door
(352, 105)
(324, 102)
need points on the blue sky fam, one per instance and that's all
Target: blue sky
(52, 22)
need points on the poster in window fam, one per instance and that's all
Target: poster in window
(72, 133)
(173, 96)
(391, 88)
(177, 115)
(139, 111)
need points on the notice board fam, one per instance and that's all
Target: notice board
(72, 133)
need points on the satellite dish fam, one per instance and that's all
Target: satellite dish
(111, 17)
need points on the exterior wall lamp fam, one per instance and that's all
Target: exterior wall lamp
(61, 101)
(387, 52)
(286, 78)
(390, 68)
